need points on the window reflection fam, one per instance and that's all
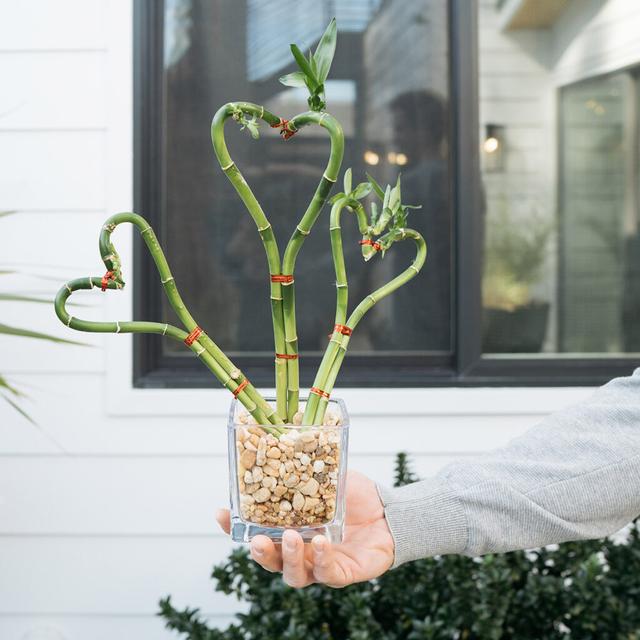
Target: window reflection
(392, 100)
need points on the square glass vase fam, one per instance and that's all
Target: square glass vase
(289, 477)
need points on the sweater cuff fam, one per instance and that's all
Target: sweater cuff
(425, 519)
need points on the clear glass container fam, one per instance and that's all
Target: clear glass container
(290, 480)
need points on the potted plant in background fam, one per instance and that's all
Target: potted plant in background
(514, 320)
(287, 456)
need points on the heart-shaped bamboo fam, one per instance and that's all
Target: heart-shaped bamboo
(335, 352)
(282, 293)
(198, 341)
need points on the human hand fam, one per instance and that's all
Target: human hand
(365, 552)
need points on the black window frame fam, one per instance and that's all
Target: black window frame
(468, 366)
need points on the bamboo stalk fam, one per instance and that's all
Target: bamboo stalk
(211, 355)
(358, 313)
(342, 298)
(264, 228)
(294, 245)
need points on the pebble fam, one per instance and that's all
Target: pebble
(289, 481)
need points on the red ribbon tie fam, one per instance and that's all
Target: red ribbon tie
(193, 336)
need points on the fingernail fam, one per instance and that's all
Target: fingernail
(318, 545)
(289, 545)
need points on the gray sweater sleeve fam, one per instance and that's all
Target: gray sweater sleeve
(576, 475)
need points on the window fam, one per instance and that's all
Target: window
(504, 295)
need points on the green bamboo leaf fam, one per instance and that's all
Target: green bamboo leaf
(26, 333)
(5, 385)
(253, 129)
(323, 57)
(362, 190)
(304, 65)
(387, 197)
(313, 65)
(394, 198)
(347, 180)
(295, 79)
(19, 409)
(376, 187)
(374, 213)
(10, 297)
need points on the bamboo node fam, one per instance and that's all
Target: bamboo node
(413, 266)
(261, 229)
(145, 231)
(341, 285)
(69, 289)
(261, 111)
(118, 328)
(193, 336)
(91, 285)
(326, 177)
(169, 279)
(202, 350)
(164, 331)
(235, 374)
(304, 232)
(240, 387)
(228, 166)
(69, 321)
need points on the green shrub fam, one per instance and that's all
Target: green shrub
(582, 590)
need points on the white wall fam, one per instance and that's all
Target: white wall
(108, 504)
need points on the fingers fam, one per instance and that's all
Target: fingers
(224, 519)
(266, 554)
(294, 571)
(326, 568)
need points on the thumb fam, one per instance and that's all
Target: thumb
(224, 520)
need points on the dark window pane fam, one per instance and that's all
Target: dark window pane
(389, 89)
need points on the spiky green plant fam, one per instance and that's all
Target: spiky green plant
(379, 232)
(8, 391)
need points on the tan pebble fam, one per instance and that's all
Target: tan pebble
(242, 486)
(247, 500)
(310, 447)
(304, 477)
(286, 441)
(250, 446)
(251, 488)
(257, 430)
(274, 464)
(243, 417)
(322, 478)
(310, 503)
(319, 509)
(280, 490)
(274, 452)
(242, 433)
(307, 436)
(297, 418)
(262, 494)
(254, 440)
(310, 487)
(283, 470)
(288, 466)
(285, 505)
(304, 459)
(269, 482)
(318, 466)
(258, 474)
(248, 477)
(291, 481)
(330, 460)
(331, 503)
(270, 471)
(248, 458)
(298, 501)
(297, 447)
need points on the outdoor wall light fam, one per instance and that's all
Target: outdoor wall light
(493, 147)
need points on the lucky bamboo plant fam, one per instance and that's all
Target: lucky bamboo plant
(380, 229)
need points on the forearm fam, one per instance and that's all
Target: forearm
(576, 475)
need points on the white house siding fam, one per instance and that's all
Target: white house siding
(108, 505)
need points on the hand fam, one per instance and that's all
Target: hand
(365, 552)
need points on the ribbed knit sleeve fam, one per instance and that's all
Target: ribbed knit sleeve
(576, 475)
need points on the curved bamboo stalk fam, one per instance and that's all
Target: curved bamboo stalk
(211, 355)
(329, 379)
(342, 297)
(265, 229)
(294, 245)
(282, 294)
